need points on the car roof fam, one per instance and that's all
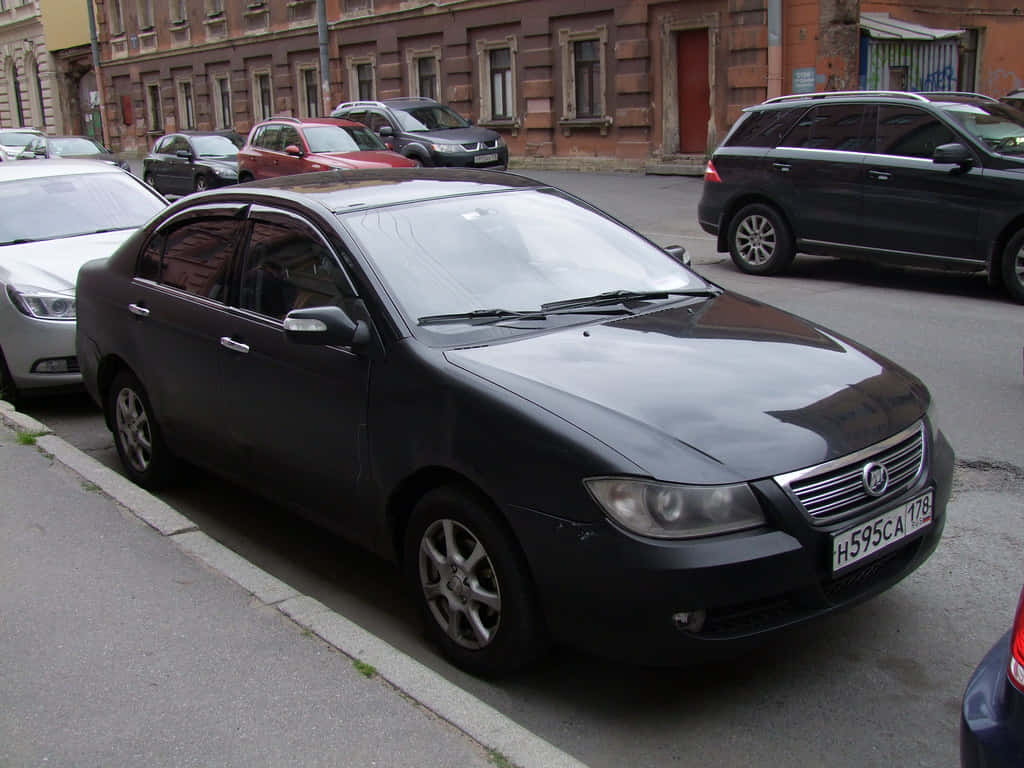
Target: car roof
(341, 191)
(301, 121)
(38, 169)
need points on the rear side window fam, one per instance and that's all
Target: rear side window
(196, 256)
(764, 128)
(844, 127)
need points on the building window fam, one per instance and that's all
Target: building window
(263, 97)
(36, 83)
(222, 115)
(583, 74)
(357, 6)
(145, 15)
(179, 10)
(424, 70)
(501, 83)
(214, 7)
(116, 18)
(309, 90)
(15, 89)
(496, 63)
(186, 106)
(364, 81)
(154, 112)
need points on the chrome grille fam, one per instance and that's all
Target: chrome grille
(835, 490)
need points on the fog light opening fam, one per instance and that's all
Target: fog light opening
(689, 621)
(55, 365)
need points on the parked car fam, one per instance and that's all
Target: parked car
(57, 214)
(553, 425)
(71, 148)
(283, 146)
(181, 163)
(1014, 98)
(914, 179)
(992, 715)
(428, 132)
(14, 140)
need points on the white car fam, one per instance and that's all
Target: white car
(14, 140)
(55, 215)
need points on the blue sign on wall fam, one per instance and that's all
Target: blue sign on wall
(803, 80)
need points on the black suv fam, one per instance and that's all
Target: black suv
(916, 179)
(428, 132)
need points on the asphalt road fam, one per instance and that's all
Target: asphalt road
(876, 686)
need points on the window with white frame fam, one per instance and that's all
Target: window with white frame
(262, 95)
(223, 117)
(214, 7)
(179, 10)
(154, 110)
(583, 73)
(364, 81)
(145, 15)
(14, 89)
(496, 63)
(116, 18)
(309, 92)
(424, 69)
(361, 77)
(186, 106)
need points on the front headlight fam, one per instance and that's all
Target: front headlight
(670, 511)
(46, 305)
(447, 148)
(499, 143)
(226, 173)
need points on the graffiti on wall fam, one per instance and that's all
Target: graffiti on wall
(912, 66)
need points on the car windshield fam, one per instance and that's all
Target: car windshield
(1000, 127)
(517, 251)
(16, 138)
(214, 146)
(434, 117)
(75, 146)
(365, 139)
(329, 138)
(88, 202)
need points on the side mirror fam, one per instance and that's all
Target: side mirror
(184, 154)
(386, 130)
(293, 150)
(678, 253)
(325, 326)
(955, 153)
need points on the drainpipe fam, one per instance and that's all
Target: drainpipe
(774, 48)
(325, 75)
(99, 75)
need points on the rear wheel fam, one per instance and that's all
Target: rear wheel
(244, 177)
(759, 240)
(1013, 267)
(471, 583)
(137, 434)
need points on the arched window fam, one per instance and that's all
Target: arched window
(33, 81)
(17, 107)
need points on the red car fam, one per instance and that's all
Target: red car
(282, 146)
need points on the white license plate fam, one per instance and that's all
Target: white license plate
(867, 538)
(491, 158)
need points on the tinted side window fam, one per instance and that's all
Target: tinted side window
(287, 268)
(148, 267)
(832, 126)
(162, 145)
(910, 132)
(358, 116)
(197, 255)
(764, 128)
(376, 121)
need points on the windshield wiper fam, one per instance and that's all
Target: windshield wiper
(20, 241)
(480, 316)
(617, 297)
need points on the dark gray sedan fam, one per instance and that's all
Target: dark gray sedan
(186, 162)
(555, 427)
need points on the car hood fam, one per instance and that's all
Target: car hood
(460, 135)
(53, 264)
(723, 391)
(368, 159)
(217, 162)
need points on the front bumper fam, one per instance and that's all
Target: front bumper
(469, 159)
(992, 715)
(26, 341)
(621, 595)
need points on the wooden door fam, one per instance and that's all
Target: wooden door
(694, 91)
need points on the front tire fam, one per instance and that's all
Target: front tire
(137, 436)
(471, 583)
(1013, 267)
(759, 240)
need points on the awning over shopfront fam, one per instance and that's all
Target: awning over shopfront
(881, 26)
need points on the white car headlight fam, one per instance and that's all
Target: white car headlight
(499, 143)
(226, 173)
(46, 305)
(670, 511)
(447, 148)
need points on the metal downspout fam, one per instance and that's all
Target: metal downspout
(325, 75)
(94, 46)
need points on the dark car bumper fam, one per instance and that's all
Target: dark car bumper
(992, 715)
(471, 159)
(627, 597)
(711, 207)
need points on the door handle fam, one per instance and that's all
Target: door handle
(138, 311)
(234, 346)
(879, 175)
(782, 167)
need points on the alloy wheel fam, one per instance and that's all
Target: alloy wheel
(755, 239)
(459, 584)
(133, 429)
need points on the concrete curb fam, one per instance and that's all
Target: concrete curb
(463, 710)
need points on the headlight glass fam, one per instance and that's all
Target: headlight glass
(46, 305)
(499, 143)
(447, 148)
(225, 173)
(671, 511)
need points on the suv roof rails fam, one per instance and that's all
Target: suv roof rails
(831, 94)
(959, 93)
(348, 104)
(286, 118)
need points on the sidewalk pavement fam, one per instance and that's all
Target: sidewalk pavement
(131, 638)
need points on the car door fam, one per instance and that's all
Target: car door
(288, 164)
(156, 163)
(178, 167)
(178, 310)
(913, 206)
(266, 149)
(296, 413)
(816, 172)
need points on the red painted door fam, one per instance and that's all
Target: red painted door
(694, 91)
